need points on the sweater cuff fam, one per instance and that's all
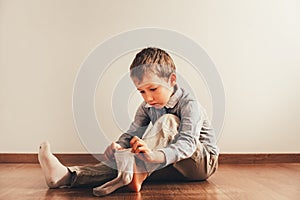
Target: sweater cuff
(170, 157)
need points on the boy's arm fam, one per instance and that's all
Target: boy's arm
(191, 121)
(137, 127)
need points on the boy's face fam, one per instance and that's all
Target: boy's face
(156, 91)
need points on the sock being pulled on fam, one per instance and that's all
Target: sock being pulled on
(125, 162)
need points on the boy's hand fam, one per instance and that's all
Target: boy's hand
(140, 148)
(110, 150)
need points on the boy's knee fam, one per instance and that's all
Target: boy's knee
(170, 122)
(165, 129)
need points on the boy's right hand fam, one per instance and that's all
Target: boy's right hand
(110, 150)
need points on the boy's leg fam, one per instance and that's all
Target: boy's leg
(200, 166)
(58, 175)
(91, 175)
(125, 163)
(169, 173)
(159, 136)
(163, 132)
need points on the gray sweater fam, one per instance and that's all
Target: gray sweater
(194, 125)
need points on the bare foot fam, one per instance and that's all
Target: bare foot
(56, 174)
(138, 178)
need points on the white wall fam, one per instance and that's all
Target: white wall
(254, 44)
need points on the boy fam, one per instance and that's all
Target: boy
(181, 140)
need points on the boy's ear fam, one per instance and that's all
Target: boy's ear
(173, 79)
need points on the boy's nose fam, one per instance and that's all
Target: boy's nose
(148, 98)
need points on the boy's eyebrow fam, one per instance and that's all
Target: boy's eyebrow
(148, 85)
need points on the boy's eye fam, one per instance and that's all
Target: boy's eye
(152, 89)
(142, 91)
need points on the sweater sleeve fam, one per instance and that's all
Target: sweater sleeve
(191, 121)
(137, 127)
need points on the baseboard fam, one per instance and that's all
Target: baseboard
(259, 158)
(67, 159)
(79, 159)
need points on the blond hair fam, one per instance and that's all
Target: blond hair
(152, 60)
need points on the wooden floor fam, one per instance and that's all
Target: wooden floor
(254, 181)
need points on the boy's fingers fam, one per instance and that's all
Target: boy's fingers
(137, 144)
(134, 147)
(133, 140)
(141, 149)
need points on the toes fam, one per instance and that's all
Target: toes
(44, 145)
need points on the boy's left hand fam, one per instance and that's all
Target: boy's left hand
(140, 148)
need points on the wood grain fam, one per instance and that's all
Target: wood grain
(246, 181)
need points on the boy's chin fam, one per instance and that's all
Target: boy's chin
(157, 106)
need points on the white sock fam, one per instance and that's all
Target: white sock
(125, 161)
(56, 174)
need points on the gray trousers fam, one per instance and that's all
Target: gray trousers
(200, 166)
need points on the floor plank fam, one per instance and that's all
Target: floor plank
(271, 181)
(250, 181)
